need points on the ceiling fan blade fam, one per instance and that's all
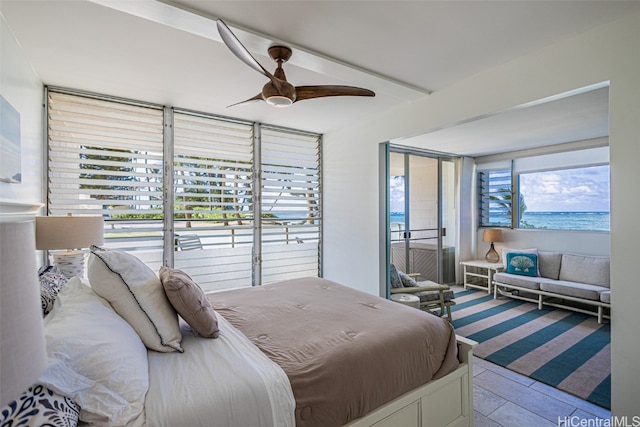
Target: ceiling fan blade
(241, 52)
(310, 92)
(258, 97)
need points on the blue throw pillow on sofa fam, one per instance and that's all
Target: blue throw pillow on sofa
(522, 264)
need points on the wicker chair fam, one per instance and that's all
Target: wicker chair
(435, 298)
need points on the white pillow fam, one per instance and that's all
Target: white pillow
(136, 294)
(95, 358)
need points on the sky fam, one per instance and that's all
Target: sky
(396, 192)
(568, 190)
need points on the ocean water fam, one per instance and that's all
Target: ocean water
(596, 221)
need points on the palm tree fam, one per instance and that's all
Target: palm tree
(503, 198)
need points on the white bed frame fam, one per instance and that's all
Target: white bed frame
(447, 401)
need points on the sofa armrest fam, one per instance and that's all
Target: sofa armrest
(413, 289)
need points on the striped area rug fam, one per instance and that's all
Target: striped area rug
(566, 350)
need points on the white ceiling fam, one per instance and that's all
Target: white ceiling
(170, 53)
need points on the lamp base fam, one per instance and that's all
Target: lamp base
(71, 264)
(492, 256)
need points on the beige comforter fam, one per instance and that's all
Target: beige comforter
(345, 352)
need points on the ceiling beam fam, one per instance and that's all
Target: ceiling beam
(205, 26)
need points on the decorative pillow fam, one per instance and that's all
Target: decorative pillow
(189, 300)
(136, 294)
(51, 281)
(95, 358)
(407, 281)
(40, 406)
(522, 263)
(505, 252)
(396, 281)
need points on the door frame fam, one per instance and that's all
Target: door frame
(384, 151)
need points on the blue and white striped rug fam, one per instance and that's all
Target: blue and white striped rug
(566, 350)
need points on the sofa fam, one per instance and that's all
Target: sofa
(566, 280)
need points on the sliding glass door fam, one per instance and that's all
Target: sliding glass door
(422, 215)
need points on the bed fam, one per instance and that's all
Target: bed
(305, 352)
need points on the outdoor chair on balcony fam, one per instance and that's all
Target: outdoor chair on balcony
(434, 298)
(187, 242)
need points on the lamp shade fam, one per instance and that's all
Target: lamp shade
(69, 232)
(492, 235)
(22, 345)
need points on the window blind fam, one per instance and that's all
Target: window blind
(105, 157)
(116, 158)
(213, 192)
(494, 198)
(290, 204)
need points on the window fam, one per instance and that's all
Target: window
(105, 158)
(182, 188)
(566, 199)
(561, 191)
(213, 199)
(494, 198)
(290, 205)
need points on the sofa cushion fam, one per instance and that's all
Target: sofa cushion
(573, 289)
(517, 280)
(605, 296)
(590, 270)
(549, 264)
(522, 264)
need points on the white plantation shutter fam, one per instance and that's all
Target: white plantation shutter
(116, 158)
(494, 198)
(291, 214)
(105, 157)
(213, 193)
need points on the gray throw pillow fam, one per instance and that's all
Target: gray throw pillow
(190, 301)
(407, 281)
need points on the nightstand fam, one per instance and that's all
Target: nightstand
(478, 273)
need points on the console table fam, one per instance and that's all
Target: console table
(478, 273)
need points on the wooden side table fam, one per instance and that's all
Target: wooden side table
(478, 273)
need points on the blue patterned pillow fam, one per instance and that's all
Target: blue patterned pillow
(39, 406)
(522, 263)
(396, 282)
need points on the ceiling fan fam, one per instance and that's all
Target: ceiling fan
(278, 91)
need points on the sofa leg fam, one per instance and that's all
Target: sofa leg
(539, 302)
(600, 310)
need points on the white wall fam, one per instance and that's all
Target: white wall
(22, 88)
(579, 242)
(608, 53)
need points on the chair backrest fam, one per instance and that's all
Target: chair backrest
(188, 242)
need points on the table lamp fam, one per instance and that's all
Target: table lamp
(492, 235)
(70, 232)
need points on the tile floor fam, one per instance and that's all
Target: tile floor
(505, 398)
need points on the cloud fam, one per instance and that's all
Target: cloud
(570, 190)
(396, 193)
